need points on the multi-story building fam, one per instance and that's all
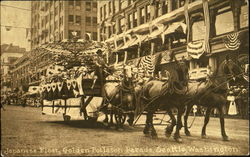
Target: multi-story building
(9, 54)
(176, 27)
(55, 20)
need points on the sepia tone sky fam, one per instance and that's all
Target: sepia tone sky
(17, 18)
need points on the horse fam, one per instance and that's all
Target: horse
(122, 98)
(156, 94)
(216, 96)
(176, 95)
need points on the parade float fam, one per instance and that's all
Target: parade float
(70, 86)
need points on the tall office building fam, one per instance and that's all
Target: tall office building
(55, 20)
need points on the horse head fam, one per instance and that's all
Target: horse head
(227, 70)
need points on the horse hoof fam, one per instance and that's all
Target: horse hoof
(204, 136)
(120, 129)
(179, 140)
(154, 135)
(225, 138)
(167, 134)
(187, 133)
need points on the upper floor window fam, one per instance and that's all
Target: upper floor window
(71, 18)
(142, 14)
(101, 13)
(130, 21)
(94, 20)
(88, 6)
(198, 28)
(244, 16)
(135, 19)
(148, 13)
(224, 21)
(104, 11)
(78, 4)
(78, 19)
(109, 8)
(88, 21)
(71, 3)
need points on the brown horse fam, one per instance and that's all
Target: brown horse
(215, 97)
(173, 95)
(122, 98)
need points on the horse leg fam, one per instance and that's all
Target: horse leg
(169, 129)
(177, 136)
(151, 126)
(189, 107)
(223, 132)
(206, 120)
(146, 128)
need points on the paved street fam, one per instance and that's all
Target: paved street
(26, 132)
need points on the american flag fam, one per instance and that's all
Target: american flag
(147, 63)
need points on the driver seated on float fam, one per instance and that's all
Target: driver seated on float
(102, 66)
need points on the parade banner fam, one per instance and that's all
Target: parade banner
(232, 41)
(195, 50)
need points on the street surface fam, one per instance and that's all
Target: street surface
(26, 132)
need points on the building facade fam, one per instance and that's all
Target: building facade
(55, 20)
(174, 27)
(9, 54)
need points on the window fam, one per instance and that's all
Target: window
(71, 18)
(56, 25)
(130, 21)
(88, 21)
(71, 3)
(78, 3)
(135, 19)
(61, 20)
(78, 19)
(109, 7)
(94, 36)
(56, 10)
(94, 20)
(224, 21)
(105, 11)
(94, 5)
(244, 16)
(148, 13)
(101, 13)
(88, 6)
(164, 8)
(122, 25)
(198, 30)
(142, 14)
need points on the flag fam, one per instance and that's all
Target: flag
(207, 25)
(195, 50)
(68, 84)
(53, 86)
(147, 63)
(232, 41)
(59, 86)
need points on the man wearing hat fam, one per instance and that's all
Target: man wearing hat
(100, 65)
